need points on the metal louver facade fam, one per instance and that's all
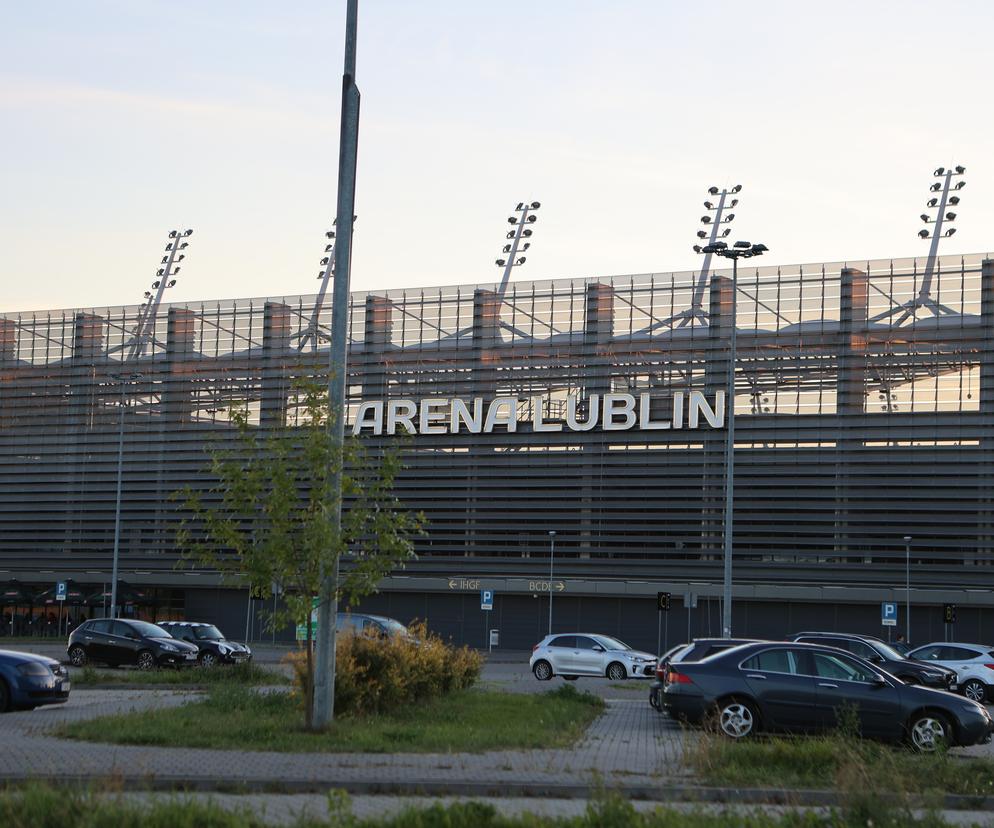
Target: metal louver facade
(855, 425)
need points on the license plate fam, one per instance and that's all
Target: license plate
(189, 656)
(239, 656)
(65, 687)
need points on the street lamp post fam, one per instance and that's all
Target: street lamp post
(123, 380)
(907, 588)
(552, 558)
(739, 250)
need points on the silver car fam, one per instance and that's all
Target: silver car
(572, 655)
(973, 663)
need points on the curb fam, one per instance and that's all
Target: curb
(650, 793)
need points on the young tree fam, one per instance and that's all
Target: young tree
(265, 517)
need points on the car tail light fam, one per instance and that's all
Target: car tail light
(677, 678)
(535, 647)
(989, 666)
(661, 671)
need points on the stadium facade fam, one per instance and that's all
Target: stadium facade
(592, 408)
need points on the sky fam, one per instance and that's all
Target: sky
(122, 120)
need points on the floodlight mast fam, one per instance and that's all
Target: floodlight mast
(509, 257)
(324, 671)
(313, 333)
(718, 228)
(143, 333)
(944, 186)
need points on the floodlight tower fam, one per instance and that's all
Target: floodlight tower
(313, 333)
(509, 255)
(144, 331)
(945, 194)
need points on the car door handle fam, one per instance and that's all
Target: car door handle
(88, 638)
(756, 676)
(827, 684)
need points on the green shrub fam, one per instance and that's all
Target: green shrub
(376, 674)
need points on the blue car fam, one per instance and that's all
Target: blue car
(28, 681)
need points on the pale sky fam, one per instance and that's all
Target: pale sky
(124, 119)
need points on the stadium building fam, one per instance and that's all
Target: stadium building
(591, 408)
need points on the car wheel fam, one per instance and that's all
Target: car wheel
(542, 670)
(77, 656)
(654, 700)
(928, 732)
(616, 671)
(737, 719)
(208, 660)
(571, 678)
(146, 661)
(4, 697)
(975, 690)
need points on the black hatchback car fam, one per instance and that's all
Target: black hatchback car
(117, 641)
(803, 688)
(213, 648)
(883, 655)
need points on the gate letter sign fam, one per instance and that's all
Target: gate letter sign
(888, 614)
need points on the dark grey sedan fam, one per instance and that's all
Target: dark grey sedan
(804, 688)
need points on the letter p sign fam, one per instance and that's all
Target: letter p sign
(888, 614)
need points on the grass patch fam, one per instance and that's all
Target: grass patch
(40, 807)
(236, 718)
(847, 764)
(630, 687)
(247, 674)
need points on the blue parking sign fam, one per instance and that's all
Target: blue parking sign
(888, 613)
(60, 591)
(486, 599)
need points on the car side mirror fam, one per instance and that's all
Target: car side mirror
(598, 648)
(876, 660)
(879, 681)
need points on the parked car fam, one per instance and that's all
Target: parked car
(28, 681)
(973, 663)
(588, 654)
(363, 623)
(699, 648)
(883, 655)
(213, 648)
(805, 688)
(117, 641)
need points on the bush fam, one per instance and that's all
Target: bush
(377, 675)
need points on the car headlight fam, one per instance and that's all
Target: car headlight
(223, 649)
(34, 668)
(169, 648)
(929, 675)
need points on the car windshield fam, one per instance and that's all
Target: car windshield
(887, 651)
(208, 632)
(149, 630)
(612, 643)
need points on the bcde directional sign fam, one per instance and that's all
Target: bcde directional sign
(888, 614)
(486, 599)
(60, 591)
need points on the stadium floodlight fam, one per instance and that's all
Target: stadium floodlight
(959, 185)
(734, 203)
(923, 234)
(736, 189)
(329, 235)
(172, 234)
(951, 216)
(729, 217)
(935, 187)
(931, 202)
(925, 217)
(708, 205)
(701, 234)
(188, 231)
(726, 232)
(959, 169)
(172, 282)
(950, 231)
(742, 244)
(705, 219)
(698, 249)
(939, 171)
(520, 231)
(954, 200)
(713, 190)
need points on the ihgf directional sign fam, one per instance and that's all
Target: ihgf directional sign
(486, 599)
(60, 591)
(888, 613)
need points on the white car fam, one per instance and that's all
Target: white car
(571, 655)
(973, 663)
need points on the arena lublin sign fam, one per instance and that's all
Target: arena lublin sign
(610, 412)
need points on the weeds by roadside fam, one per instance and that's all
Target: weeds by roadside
(248, 674)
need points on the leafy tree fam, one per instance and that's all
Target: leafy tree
(266, 516)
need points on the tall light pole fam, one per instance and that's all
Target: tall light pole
(348, 147)
(552, 558)
(123, 380)
(739, 250)
(907, 588)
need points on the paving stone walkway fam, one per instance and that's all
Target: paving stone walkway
(630, 745)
